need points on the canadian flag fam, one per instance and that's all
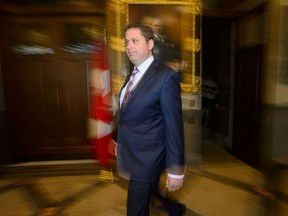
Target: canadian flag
(100, 125)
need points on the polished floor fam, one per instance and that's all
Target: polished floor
(221, 186)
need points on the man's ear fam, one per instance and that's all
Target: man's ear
(151, 44)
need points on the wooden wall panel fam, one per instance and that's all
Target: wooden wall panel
(26, 92)
(65, 103)
(49, 109)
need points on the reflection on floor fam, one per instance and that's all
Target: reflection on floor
(222, 186)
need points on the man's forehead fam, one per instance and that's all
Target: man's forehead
(133, 34)
(133, 31)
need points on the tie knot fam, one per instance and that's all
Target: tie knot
(135, 71)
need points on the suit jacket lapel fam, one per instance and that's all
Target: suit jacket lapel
(150, 71)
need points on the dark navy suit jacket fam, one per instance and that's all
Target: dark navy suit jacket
(150, 129)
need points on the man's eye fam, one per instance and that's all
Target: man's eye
(135, 41)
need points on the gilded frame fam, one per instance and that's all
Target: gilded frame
(190, 30)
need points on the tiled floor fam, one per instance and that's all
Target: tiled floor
(223, 186)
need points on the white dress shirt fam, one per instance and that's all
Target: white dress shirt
(142, 68)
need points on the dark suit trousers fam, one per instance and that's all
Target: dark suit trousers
(139, 194)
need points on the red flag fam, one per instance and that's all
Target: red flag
(100, 122)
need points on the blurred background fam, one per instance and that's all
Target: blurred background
(48, 50)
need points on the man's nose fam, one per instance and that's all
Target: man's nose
(128, 45)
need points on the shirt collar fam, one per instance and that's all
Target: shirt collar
(144, 65)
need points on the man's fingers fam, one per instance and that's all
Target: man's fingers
(173, 184)
(174, 187)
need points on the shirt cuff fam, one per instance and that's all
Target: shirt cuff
(176, 176)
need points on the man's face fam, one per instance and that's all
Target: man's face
(137, 48)
(157, 26)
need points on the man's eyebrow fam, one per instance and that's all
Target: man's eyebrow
(131, 39)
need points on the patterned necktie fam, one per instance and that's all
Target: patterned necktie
(129, 89)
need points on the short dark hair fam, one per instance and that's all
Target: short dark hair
(146, 31)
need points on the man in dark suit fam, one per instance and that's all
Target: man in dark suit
(150, 127)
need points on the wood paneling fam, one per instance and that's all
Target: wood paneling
(48, 107)
(46, 95)
(246, 111)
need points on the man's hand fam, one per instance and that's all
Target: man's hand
(173, 184)
(112, 148)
